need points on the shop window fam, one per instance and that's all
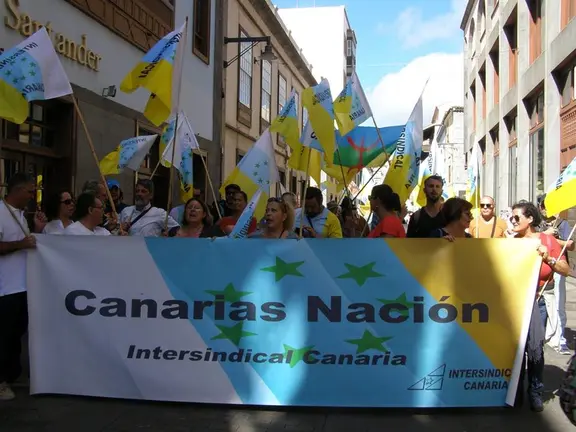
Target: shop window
(201, 28)
(39, 128)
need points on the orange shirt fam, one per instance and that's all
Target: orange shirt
(231, 221)
(390, 225)
(485, 228)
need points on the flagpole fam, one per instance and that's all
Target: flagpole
(211, 187)
(348, 194)
(171, 182)
(156, 168)
(91, 145)
(302, 208)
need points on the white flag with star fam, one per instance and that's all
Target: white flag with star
(259, 164)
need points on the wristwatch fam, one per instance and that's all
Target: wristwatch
(552, 262)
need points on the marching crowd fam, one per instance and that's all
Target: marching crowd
(92, 213)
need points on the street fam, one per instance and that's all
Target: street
(59, 413)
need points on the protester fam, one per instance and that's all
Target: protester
(386, 205)
(59, 211)
(15, 239)
(525, 220)
(429, 217)
(225, 206)
(98, 188)
(143, 219)
(279, 221)
(353, 224)
(317, 220)
(488, 225)
(196, 222)
(177, 213)
(457, 215)
(239, 203)
(117, 197)
(89, 215)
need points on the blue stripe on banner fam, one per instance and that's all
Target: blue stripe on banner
(416, 366)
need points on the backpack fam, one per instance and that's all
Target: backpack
(567, 391)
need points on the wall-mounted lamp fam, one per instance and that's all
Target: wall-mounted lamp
(109, 92)
(267, 54)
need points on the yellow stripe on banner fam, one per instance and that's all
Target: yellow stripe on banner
(506, 270)
(249, 187)
(13, 106)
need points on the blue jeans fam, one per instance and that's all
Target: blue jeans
(535, 366)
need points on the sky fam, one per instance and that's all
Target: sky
(401, 44)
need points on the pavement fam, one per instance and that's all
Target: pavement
(81, 414)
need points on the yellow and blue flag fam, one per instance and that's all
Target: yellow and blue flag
(30, 71)
(160, 72)
(351, 107)
(129, 154)
(286, 124)
(242, 226)
(403, 173)
(562, 194)
(257, 170)
(425, 173)
(185, 142)
(472, 191)
(318, 102)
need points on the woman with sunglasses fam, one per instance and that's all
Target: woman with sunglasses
(457, 214)
(526, 219)
(278, 221)
(59, 210)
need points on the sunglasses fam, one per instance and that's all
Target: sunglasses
(67, 201)
(486, 205)
(514, 218)
(276, 200)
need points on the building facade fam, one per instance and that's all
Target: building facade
(256, 89)
(99, 43)
(329, 43)
(520, 58)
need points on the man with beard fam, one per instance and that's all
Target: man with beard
(143, 219)
(488, 225)
(429, 217)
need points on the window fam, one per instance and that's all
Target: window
(266, 98)
(471, 35)
(482, 76)
(535, 109)
(568, 8)
(281, 183)
(495, 178)
(536, 164)
(245, 78)
(482, 18)
(37, 131)
(511, 121)
(566, 84)
(239, 156)
(201, 28)
(473, 102)
(294, 185)
(511, 32)
(495, 58)
(537, 35)
(512, 174)
(282, 88)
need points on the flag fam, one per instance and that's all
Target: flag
(242, 226)
(129, 154)
(402, 176)
(318, 102)
(166, 137)
(433, 165)
(351, 107)
(160, 72)
(472, 191)
(185, 143)
(257, 170)
(286, 124)
(425, 173)
(562, 194)
(30, 71)
(304, 151)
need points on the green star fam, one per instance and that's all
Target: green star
(257, 165)
(297, 353)
(255, 173)
(15, 81)
(283, 268)
(360, 274)
(233, 334)
(32, 73)
(260, 181)
(369, 341)
(401, 300)
(8, 73)
(23, 59)
(230, 294)
(32, 64)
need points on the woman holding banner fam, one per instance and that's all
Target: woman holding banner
(526, 219)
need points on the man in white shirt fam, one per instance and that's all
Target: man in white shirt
(89, 214)
(143, 219)
(15, 239)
